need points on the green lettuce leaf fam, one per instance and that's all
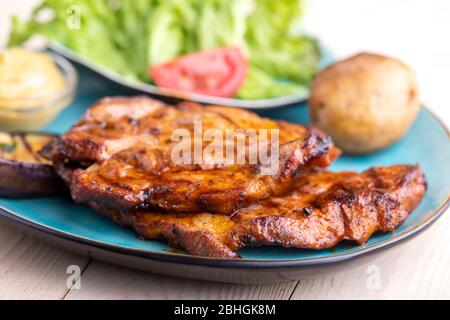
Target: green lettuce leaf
(129, 36)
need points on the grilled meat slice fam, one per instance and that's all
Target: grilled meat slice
(127, 142)
(114, 124)
(323, 209)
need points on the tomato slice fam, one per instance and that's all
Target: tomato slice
(217, 72)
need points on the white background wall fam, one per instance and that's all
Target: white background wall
(416, 31)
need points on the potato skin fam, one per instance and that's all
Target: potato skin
(365, 103)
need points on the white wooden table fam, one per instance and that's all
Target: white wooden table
(413, 30)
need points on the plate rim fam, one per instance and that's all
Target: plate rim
(182, 258)
(252, 104)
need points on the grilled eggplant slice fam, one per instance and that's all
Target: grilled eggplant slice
(24, 173)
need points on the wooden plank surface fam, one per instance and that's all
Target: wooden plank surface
(415, 269)
(30, 269)
(105, 281)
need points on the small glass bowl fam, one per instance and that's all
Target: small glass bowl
(43, 109)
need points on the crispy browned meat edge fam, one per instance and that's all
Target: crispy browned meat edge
(353, 208)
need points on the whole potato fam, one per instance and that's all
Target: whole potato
(365, 103)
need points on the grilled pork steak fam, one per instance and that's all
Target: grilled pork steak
(323, 209)
(123, 148)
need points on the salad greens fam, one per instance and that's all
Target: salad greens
(128, 36)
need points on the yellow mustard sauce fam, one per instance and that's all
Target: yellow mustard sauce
(29, 83)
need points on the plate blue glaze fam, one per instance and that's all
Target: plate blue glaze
(427, 143)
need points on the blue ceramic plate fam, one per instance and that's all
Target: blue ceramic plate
(427, 144)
